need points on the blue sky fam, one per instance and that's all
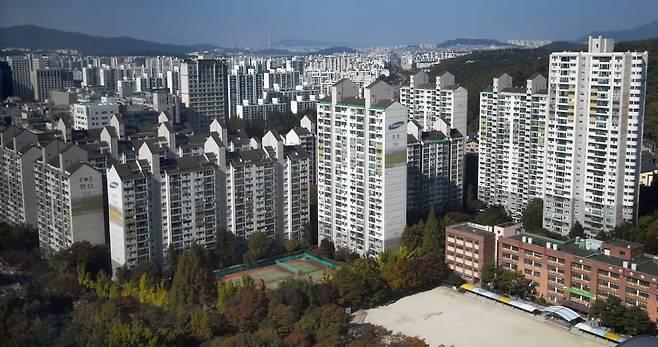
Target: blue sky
(365, 22)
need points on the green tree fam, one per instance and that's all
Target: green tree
(577, 230)
(432, 236)
(291, 246)
(326, 249)
(225, 291)
(610, 312)
(533, 215)
(95, 258)
(412, 236)
(651, 238)
(227, 250)
(488, 276)
(148, 267)
(492, 216)
(260, 246)
(193, 282)
(637, 322)
(171, 262)
(514, 283)
(361, 284)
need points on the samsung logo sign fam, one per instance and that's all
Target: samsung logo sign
(395, 125)
(114, 184)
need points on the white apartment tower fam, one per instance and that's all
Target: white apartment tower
(593, 137)
(511, 159)
(156, 203)
(251, 192)
(291, 185)
(362, 167)
(427, 102)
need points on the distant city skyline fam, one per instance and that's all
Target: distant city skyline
(247, 22)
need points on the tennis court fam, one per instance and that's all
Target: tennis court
(300, 267)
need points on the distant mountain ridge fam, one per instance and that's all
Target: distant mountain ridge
(641, 32)
(309, 43)
(473, 42)
(35, 37)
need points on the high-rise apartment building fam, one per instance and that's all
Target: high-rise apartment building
(435, 168)
(250, 192)
(427, 102)
(204, 87)
(281, 79)
(594, 137)
(362, 167)
(20, 73)
(69, 198)
(243, 84)
(45, 80)
(6, 81)
(160, 203)
(291, 185)
(18, 151)
(305, 137)
(512, 143)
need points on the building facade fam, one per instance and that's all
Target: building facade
(511, 147)
(69, 199)
(427, 102)
(362, 171)
(469, 248)
(577, 272)
(204, 87)
(93, 114)
(435, 169)
(594, 137)
(18, 151)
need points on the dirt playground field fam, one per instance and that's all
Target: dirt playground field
(445, 316)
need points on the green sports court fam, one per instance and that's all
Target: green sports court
(304, 266)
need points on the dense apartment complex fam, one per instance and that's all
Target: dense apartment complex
(362, 167)
(428, 102)
(511, 148)
(574, 273)
(594, 137)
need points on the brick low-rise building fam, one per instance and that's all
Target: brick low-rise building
(470, 247)
(576, 272)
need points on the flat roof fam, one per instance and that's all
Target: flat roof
(470, 228)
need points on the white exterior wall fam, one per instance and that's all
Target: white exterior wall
(594, 135)
(93, 115)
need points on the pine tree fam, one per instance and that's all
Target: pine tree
(432, 236)
(193, 282)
